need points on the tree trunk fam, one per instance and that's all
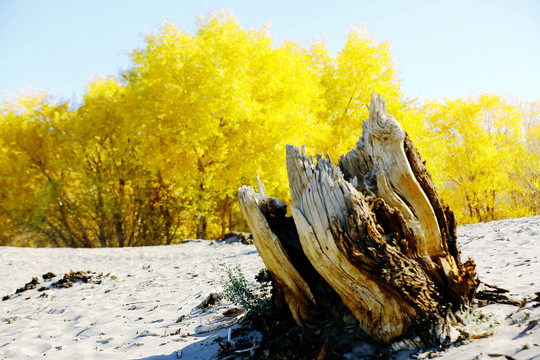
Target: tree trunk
(118, 225)
(202, 226)
(224, 216)
(370, 237)
(102, 226)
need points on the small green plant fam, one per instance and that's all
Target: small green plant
(471, 316)
(476, 323)
(253, 298)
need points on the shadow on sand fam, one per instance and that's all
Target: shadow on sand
(204, 349)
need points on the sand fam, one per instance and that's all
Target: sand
(142, 303)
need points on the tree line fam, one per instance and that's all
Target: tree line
(156, 154)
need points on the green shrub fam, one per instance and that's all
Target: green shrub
(252, 297)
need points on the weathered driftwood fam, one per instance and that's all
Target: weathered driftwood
(371, 233)
(295, 290)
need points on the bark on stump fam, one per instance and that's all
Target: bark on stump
(369, 237)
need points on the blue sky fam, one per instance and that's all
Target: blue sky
(442, 48)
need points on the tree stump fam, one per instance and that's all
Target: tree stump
(368, 237)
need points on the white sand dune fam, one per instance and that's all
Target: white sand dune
(146, 304)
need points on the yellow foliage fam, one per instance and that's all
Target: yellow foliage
(158, 153)
(471, 153)
(348, 81)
